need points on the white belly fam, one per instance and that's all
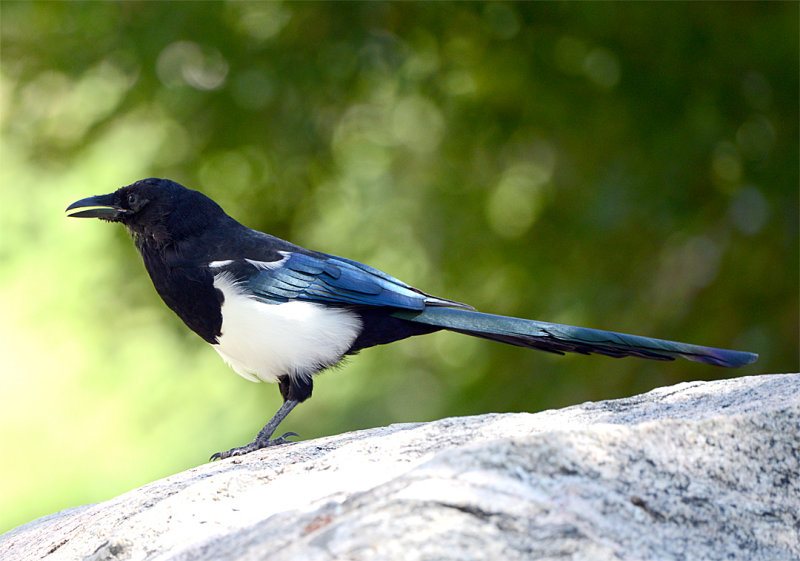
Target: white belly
(264, 341)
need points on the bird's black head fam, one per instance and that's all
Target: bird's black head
(153, 210)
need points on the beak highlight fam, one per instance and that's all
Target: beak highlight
(101, 206)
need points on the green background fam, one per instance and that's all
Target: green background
(621, 166)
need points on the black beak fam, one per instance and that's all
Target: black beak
(101, 206)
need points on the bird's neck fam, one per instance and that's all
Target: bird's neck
(186, 286)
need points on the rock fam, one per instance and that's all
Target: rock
(701, 470)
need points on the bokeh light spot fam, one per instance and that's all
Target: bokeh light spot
(518, 198)
(185, 62)
(687, 265)
(757, 91)
(749, 210)
(756, 137)
(423, 60)
(260, 20)
(418, 124)
(460, 82)
(726, 164)
(602, 67)
(501, 19)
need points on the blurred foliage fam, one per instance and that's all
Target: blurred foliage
(626, 166)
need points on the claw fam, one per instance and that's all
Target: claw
(253, 446)
(262, 439)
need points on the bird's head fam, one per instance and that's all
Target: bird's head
(152, 209)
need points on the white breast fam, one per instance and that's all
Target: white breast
(263, 341)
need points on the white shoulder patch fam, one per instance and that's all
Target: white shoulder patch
(268, 265)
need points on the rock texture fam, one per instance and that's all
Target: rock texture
(694, 471)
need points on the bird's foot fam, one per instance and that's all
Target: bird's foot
(257, 444)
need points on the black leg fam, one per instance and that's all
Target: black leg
(262, 439)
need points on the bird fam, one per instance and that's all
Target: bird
(277, 312)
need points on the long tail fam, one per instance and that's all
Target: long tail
(560, 339)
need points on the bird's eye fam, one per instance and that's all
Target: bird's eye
(132, 199)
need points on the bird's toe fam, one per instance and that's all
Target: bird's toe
(253, 446)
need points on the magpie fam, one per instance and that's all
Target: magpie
(277, 312)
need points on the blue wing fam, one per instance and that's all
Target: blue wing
(330, 280)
